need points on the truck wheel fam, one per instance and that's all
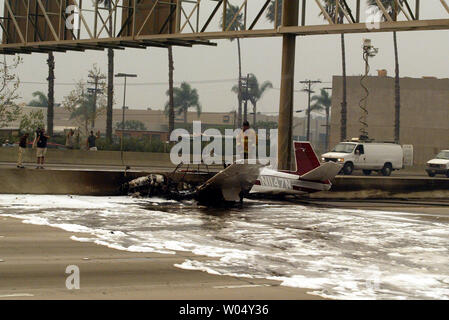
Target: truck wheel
(431, 174)
(367, 172)
(348, 168)
(386, 171)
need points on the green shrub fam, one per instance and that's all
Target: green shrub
(133, 145)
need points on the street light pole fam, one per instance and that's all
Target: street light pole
(126, 76)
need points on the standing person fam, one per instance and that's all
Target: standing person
(41, 144)
(22, 148)
(246, 139)
(69, 140)
(36, 134)
(92, 142)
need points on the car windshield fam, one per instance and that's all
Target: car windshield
(344, 148)
(443, 155)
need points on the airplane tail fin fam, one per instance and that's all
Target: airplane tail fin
(324, 173)
(306, 158)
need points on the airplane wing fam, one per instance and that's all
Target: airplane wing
(228, 184)
(324, 172)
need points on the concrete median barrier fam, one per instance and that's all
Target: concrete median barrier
(82, 157)
(386, 188)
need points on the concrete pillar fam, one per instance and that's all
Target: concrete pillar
(290, 11)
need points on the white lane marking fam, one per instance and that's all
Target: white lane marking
(15, 295)
(242, 286)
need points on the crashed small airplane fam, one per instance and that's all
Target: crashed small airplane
(244, 179)
(310, 176)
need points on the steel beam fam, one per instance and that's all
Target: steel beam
(290, 10)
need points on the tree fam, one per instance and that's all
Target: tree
(132, 125)
(184, 98)
(393, 10)
(30, 122)
(40, 101)
(97, 80)
(271, 12)
(330, 7)
(80, 104)
(110, 95)
(234, 25)
(51, 93)
(323, 102)
(9, 85)
(255, 93)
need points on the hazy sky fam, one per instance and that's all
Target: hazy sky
(214, 70)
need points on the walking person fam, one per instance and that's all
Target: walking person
(41, 144)
(69, 140)
(22, 148)
(92, 142)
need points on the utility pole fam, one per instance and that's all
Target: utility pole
(96, 78)
(309, 90)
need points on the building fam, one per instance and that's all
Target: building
(424, 112)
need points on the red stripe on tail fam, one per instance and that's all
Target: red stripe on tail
(306, 158)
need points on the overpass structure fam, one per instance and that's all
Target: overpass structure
(30, 26)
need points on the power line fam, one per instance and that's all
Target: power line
(138, 84)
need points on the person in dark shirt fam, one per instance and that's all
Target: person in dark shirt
(92, 142)
(41, 144)
(22, 149)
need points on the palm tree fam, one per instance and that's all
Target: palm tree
(231, 11)
(171, 102)
(51, 93)
(392, 9)
(330, 7)
(40, 101)
(272, 11)
(323, 102)
(110, 103)
(255, 93)
(184, 98)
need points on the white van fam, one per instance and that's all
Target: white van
(439, 165)
(367, 156)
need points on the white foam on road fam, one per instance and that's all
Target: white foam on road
(336, 253)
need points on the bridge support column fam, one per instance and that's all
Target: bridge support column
(290, 13)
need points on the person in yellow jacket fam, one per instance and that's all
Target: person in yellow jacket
(247, 141)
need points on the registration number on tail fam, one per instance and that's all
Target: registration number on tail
(276, 182)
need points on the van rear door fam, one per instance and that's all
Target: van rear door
(359, 157)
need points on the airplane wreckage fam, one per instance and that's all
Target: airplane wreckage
(239, 180)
